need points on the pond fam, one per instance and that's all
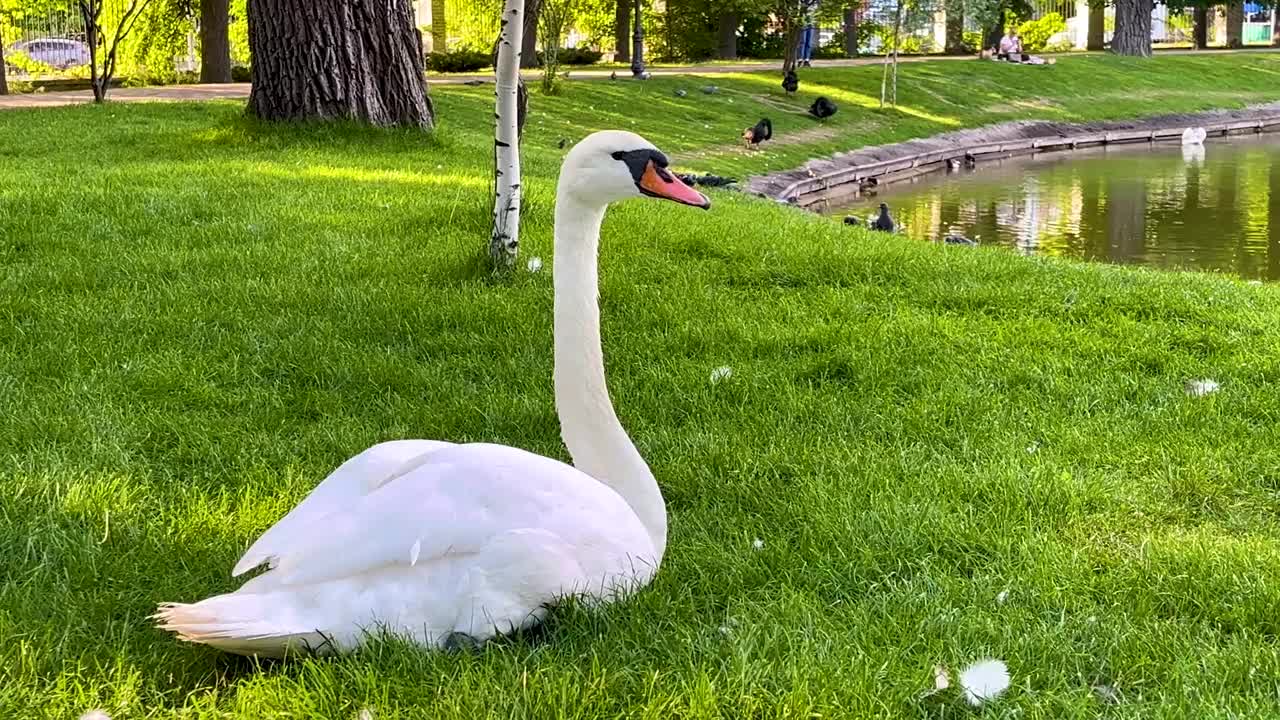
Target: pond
(1214, 208)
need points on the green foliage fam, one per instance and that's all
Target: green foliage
(1035, 34)
(579, 56)
(552, 24)
(459, 61)
(972, 40)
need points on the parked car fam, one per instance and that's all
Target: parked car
(59, 53)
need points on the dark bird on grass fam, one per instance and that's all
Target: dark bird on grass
(955, 238)
(790, 82)
(851, 220)
(710, 89)
(884, 223)
(707, 180)
(758, 133)
(474, 83)
(680, 92)
(562, 143)
(822, 108)
(613, 75)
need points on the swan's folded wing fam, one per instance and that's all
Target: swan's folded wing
(354, 479)
(453, 504)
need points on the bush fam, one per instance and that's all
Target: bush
(241, 73)
(1036, 33)
(458, 61)
(579, 56)
(972, 41)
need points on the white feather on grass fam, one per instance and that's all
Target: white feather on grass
(720, 374)
(534, 264)
(984, 680)
(95, 715)
(757, 544)
(1200, 388)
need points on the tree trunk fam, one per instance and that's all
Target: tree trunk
(1097, 34)
(1200, 29)
(4, 68)
(1275, 37)
(991, 36)
(439, 27)
(955, 28)
(851, 31)
(728, 32)
(215, 43)
(504, 241)
(792, 38)
(1133, 28)
(622, 32)
(529, 39)
(1235, 24)
(331, 59)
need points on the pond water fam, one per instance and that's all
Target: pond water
(1214, 208)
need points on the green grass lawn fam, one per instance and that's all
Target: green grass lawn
(200, 317)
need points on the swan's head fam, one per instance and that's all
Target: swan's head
(614, 165)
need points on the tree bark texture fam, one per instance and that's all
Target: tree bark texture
(851, 31)
(330, 59)
(1096, 39)
(1200, 27)
(215, 42)
(4, 68)
(1235, 24)
(727, 48)
(1133, 28)
(955, 28)
(504, 241)
(622, 32)
(1275, 42)
(529, 40)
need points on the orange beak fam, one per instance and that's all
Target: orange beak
(658, 182)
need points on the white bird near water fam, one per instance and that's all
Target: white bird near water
(441, 543)
(1193, 136)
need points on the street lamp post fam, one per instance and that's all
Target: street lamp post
(637, 45)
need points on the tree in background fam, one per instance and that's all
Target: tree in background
(215, 41)
(622, 31)
(4, 67)
(955, 27)
(1235, 24)
(1096, 36)
(528, 49)
(103, 38)
(556, 16)
(1133, 28)
(439, 27)
(330, 59)
(504, 240)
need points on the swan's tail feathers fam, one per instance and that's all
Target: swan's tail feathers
(236, 623)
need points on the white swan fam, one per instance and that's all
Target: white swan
(434, 541)
(1194, 136)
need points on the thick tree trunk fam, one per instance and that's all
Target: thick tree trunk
(727, 48)
(529, 40)
(1097, 34)
(4, 69)
(1275, 41)
(622, 32)
(1235, 24)
(991, 36)
(1133, 28)
(955, 28)
(504, 241)
(439, 27)
(851, 31)
(1200, 29)
(215, 43)
(337, 59)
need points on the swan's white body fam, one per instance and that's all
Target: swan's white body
(1194, 136)
(428, 540)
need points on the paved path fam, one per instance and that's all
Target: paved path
(240, 91)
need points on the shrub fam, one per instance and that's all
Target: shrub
(458, 61)
(1036, 33)
(579, 56)
(972, 41)
(241, 73)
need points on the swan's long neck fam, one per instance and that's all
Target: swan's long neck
(590, 428)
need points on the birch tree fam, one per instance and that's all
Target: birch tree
(504, 242)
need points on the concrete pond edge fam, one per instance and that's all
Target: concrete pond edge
(846, 175)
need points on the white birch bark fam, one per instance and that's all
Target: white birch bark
(504, 243)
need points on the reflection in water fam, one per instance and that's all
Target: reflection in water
(1215, 207)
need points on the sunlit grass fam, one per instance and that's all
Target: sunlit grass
(201, 316)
